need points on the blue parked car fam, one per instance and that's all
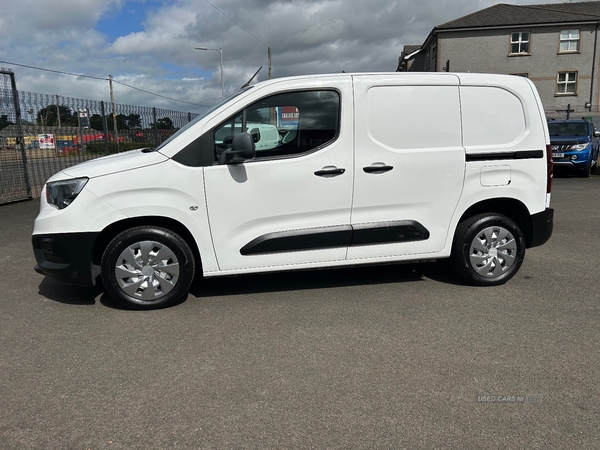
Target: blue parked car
(575, 145)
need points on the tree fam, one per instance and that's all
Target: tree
(134, 121)
(4, 122)
(96, 122)
(163, 124)
(121, 122)
(47, 116)
(254, 116)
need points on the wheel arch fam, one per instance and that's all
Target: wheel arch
(509, 207)
(115, 228)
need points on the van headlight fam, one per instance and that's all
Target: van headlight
(61, 194)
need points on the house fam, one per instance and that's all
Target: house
(555, 45)
(407, 57)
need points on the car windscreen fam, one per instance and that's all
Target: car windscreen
(568, 129)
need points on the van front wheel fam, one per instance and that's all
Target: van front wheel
(147, 268)
(488, 249)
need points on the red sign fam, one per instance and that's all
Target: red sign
(289, 114)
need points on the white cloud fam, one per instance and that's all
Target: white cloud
(306, 36)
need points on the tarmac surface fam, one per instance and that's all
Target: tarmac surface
(398, 356)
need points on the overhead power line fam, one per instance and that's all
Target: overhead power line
(268, 47)
(54, 71)
(103, 79)
(236, 23)
(159, 95)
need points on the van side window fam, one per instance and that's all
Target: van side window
(284, 124)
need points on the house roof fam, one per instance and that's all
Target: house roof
(503, 14)
(409, 49)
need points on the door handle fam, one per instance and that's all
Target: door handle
(380, 168)
(329, 171)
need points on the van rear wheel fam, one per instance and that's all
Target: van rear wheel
(147, 268)
(488, 249)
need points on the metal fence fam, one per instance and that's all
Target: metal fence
(41, 134)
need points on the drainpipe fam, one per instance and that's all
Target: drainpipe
(594, 65)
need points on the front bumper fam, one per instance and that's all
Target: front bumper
(66, 257)
(542, 225)
(573, 164)
(581, 161)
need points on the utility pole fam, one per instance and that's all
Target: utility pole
(220, 50)
(57, 111)
(269, 55)
(112, 103)
(221, 67)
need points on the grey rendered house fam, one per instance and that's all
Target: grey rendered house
(555, 45)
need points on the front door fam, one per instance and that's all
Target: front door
(290, 206)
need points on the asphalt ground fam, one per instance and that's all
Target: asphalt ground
(398, 356)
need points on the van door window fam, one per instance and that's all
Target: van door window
(290, 123)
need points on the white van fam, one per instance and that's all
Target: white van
(265, 136)
(380, 168)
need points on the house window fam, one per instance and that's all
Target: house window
(524, 75)
(566, 83)
(519, 43)
(569, 41)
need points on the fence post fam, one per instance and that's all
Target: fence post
(155, 128)
(189, 117)
(13, 85)
(104, 127)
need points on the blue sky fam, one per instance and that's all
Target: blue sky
(129, 19)
(150, 44)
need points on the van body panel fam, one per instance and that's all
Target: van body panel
(91, 215)
(150, 193)
(258, 198)
(426, 156)
(119, 162)
(513, 137)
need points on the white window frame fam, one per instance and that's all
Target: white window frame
(562, 87)
(569, 39)
(520, 42)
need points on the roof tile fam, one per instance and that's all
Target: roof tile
(503, 14)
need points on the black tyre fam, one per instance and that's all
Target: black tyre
(586, 171)
(147, 268)
(488, 249)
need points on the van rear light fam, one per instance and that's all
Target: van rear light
(550, 166)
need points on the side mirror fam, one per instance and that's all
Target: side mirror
(242, 149)
(255, 133)
(596, 133)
